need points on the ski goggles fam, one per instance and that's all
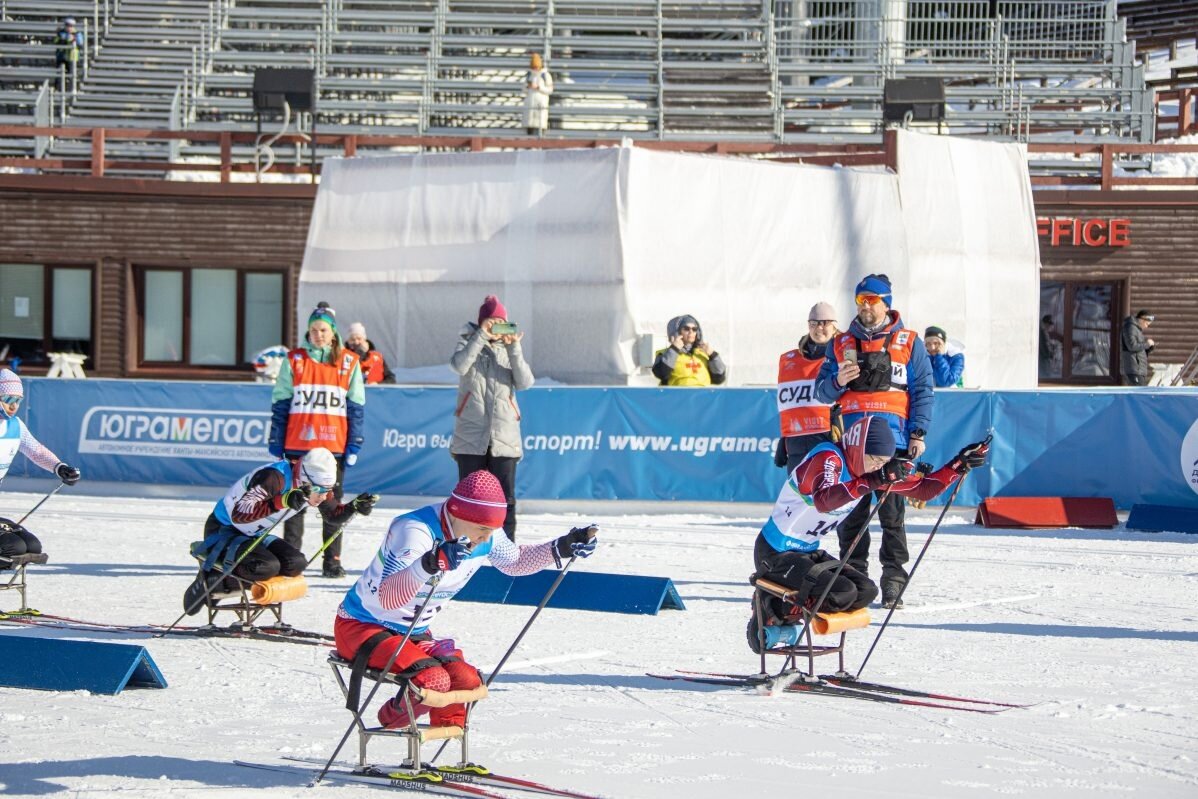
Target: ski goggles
(869, 299)
(11, 399)
(317, 489)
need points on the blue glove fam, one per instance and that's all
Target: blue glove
(578, 543)
(445, 556)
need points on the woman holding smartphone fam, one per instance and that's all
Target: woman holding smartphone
(486, 430)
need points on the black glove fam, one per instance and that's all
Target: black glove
(445, 555)
(893, 471)
(971, 457)
(579, 542)
(67, 473)
(364, 503)
(297, 498)
(780, 454)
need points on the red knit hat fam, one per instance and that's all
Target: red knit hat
(478, 498)
(491, 307)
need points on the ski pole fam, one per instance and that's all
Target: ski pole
(38, 505)
(324, 546)
(499, 666)
(432, 588)
(809, 617)
(911, 575)
(210, 584)
(329, 542)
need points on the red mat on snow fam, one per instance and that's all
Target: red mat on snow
(1027, 513)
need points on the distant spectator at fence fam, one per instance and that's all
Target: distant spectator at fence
(947, 364)
(68, 44)
(1050, 348)
(1133, 360)
(538, 86)
(804, 421)
(374, 367)
(486, 428)
(689, 360)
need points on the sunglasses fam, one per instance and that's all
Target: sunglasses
(689, 329)
(869, 299)
(815, 322)
(321, 489)
(11, 399)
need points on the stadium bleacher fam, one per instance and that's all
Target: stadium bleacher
(749, 70)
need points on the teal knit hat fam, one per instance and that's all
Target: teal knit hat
(323, 313)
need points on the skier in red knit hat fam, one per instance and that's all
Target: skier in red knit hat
(452, 538)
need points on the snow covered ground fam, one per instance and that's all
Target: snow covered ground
(1097, 627)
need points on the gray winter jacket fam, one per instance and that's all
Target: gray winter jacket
(1134, 358)
(487, 414)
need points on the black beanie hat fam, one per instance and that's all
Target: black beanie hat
(879, 439)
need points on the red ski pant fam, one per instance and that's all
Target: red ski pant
(443, 671)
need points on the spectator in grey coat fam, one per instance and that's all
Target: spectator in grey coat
(1133, 359)
(486, 429)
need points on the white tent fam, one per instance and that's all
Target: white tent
(589, 249)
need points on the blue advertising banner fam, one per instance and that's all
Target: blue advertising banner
(1133, 445)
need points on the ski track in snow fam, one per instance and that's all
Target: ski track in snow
(1095, 626)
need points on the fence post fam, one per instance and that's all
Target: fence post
(97, 152)
(1108, 167)
(226, 156)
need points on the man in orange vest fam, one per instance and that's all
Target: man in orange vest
(880, 368)
(374, 368)
(805, 421)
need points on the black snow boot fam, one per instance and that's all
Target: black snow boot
(751, 635)
(332, 569)
(194, 597)
(891, 589)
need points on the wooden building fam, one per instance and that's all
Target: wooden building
(1105, 255)
(149, 278)
(163, 279)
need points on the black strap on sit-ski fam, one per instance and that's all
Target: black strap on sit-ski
(811, 578)
(359, 667)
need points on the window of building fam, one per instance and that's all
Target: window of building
(1079, 331)
(208, 318)
(44, 309)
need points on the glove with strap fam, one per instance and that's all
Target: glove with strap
(445, 556)
(971, 457)
(297, 498)
(67, 473)
(364, 503)
(580, 542)
(893, 471)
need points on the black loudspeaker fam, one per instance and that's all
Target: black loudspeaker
(922, 98)
(296, 85)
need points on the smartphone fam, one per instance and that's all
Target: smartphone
(504, 328)
(850, 355)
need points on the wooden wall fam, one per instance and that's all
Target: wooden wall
(114, 224)
(1160, 264)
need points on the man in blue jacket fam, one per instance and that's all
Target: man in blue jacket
(947, 366)
(879, 367)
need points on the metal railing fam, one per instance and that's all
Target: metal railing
(674, 69)
(231, 152)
